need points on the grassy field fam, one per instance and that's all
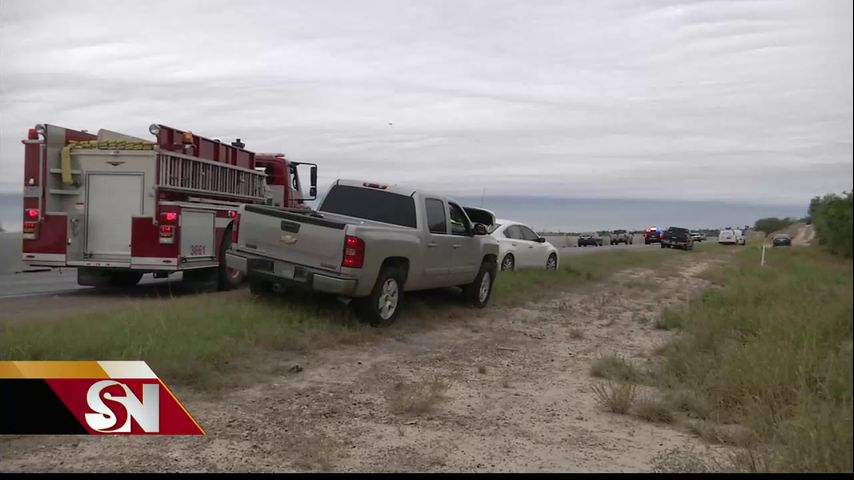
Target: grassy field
(765, 361)
(200, 340)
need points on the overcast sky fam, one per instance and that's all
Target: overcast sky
(723, 100)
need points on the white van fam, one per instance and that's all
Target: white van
(731, 237)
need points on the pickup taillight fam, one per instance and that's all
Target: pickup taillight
(354, 252)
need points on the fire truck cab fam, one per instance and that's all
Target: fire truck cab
(116, 207)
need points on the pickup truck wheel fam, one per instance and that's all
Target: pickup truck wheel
(508, 263)
(551, 263)
(477, 293)
(382, 306)
(228, 278)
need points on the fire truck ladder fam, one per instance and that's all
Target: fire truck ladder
(183, 173)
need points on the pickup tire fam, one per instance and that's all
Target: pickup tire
(228, 278)
(477, 293)
(382, 307)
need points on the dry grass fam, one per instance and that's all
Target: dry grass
(735, 435)
(652, 410)
(770, 351)
(668, 320)
(689, 402)
(615, 367)
(416, 398)
(576, 333)
(615, 397)
(685, 460)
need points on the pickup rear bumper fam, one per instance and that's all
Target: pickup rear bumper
(286, 273)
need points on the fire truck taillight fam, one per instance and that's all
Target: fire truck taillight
(168, 225)
(167, 234)
(31, 230)
(31, 224)
(354, 252)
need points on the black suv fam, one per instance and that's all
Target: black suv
(676, 237)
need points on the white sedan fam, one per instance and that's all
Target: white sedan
(519, 247)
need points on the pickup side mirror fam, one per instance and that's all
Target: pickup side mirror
(480, 229)
(313, 176)
(541, 240)
(312, 192)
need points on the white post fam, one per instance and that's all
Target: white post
(762, 261)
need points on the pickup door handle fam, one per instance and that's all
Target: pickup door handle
(514, 244)
(432, 245)
(457, 245)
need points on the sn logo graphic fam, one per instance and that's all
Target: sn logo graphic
(145, 411)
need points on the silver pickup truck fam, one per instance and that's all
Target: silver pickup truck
(367, 242)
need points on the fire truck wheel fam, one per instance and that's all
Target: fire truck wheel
(229, 278)
(125, 279)
(201, 279)
(260, 287)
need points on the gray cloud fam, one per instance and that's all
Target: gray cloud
(723, 100)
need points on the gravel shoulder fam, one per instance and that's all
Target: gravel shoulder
(503, 389)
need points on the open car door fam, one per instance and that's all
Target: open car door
(480, 215)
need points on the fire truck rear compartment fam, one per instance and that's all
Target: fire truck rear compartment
(114, 199)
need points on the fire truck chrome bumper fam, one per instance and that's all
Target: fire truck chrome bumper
(44, 259)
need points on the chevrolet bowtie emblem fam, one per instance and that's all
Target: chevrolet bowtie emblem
(289, 239)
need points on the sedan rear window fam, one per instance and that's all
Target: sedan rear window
(370, 204)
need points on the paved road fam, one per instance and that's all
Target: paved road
(64, 281)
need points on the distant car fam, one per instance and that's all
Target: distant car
(676, 237)
(589, 238)
(621, 236)
(519, 247)
(698, 236)
(651, 235)
(782, 240)
(731, 236)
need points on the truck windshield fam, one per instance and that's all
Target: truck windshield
(370, 204)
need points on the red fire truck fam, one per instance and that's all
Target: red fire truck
(116, 207)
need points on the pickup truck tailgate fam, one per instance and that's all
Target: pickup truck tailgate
(292, 237)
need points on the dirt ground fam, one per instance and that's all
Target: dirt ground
(503, 389)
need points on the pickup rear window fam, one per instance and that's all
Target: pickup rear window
(370, 204)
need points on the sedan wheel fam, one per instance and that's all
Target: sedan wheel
(507, 263)
(551, 263)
